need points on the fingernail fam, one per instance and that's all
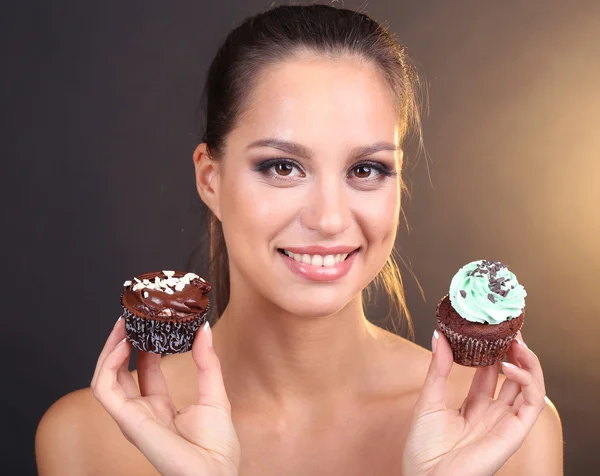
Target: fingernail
(519, 341)
(118, 320)
(208, 333)
(124, 340)
(434, 341)
(509, 365)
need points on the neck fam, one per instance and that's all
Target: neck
(269, 354)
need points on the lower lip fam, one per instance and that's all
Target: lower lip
(320, 273)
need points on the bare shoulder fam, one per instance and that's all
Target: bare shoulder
(414, 361)
(77, 437)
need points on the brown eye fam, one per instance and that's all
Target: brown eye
(362, 171)
(283, 169)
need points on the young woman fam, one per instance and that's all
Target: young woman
(300, 164)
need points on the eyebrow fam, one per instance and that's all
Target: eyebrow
(306, 153)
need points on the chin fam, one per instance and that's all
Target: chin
(315, 305)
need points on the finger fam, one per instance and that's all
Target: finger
(509, 392)
(510, 389)
(124, 377)
(211, 389)
(484, 383)
(433, 393)
(107, 390)
(116, 335)
(150, 376)
(533, 399)
(520, 355)
(529, 361)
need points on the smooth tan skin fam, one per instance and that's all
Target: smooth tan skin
(314, 387)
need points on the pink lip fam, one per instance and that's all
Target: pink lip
(321, 250)
(320, 273)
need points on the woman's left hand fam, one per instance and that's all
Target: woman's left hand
(478, 438)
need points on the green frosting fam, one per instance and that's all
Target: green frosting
(487, 292)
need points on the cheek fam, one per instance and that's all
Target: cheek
(378, 215)
(253, 212)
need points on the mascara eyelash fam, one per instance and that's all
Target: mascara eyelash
(267, 164)
(381, 168)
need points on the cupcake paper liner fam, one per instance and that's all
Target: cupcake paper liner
(161, 337)
(473, 352)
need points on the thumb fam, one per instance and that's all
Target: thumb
(433, 393)
(211, 389)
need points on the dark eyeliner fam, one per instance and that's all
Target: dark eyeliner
(380, 167)
(267, 164)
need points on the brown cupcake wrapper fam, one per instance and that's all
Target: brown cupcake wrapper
(161, 337)
(473, 352)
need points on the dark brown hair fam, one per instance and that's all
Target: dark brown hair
(278, 34)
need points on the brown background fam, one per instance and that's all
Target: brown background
(97, 102)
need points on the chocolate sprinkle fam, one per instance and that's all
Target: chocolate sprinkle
(463, 293)
(491, 268)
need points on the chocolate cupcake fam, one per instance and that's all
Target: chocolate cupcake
(163, 310)
(482, 313)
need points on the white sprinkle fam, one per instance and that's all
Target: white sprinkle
(138, 286)
(185, 280)
(179, 286)
(168, 274)
(145, 294)
(169, 291)
(191, 276)
(153, 286)
(165, 312)
(137, 280)
(157, 280)
(202, 279)
(172, 281)
(127, 283)
(146, 282)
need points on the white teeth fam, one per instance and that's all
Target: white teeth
(317, 260)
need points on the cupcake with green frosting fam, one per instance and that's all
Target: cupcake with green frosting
(482, 313)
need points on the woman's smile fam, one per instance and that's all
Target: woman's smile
(317, 263)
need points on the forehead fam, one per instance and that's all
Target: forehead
(312, 99)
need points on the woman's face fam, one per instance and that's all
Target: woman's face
(308, 188)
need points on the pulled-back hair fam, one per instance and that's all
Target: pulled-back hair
(279, 34)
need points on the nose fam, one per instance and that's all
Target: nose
(328, 208)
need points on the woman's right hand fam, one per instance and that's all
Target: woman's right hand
(199, 439)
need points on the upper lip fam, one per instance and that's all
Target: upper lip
(320, 250)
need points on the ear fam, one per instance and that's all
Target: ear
(207, 179)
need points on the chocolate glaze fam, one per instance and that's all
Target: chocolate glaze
(185, 305)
